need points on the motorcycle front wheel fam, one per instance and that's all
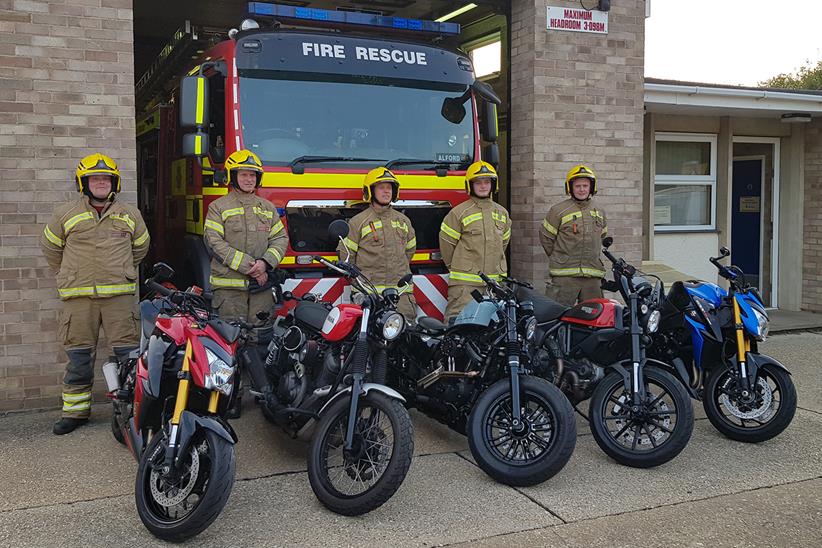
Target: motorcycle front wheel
(357, 481)
(649, 435)
(754, 417)
(532, 451)
(178, 505)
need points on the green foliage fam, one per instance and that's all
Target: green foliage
(807, 77)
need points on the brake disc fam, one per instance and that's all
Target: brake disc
(174, 495)
(763, 412)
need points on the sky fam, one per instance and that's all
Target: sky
(738, 42)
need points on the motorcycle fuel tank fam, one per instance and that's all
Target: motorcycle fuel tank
(599, 313)
(340, 321)
(474, 313)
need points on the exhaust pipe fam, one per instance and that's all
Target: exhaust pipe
(111, 376)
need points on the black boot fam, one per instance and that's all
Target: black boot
(67, 424)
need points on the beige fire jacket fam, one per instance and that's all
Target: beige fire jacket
(571, 235)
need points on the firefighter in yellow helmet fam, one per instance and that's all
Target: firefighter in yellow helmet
(473, 238)
(95, 244)
(381, 241)
(247, 240)
(571, 235)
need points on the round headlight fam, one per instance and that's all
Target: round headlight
(530, 329)
(393, 326)
(653, 321)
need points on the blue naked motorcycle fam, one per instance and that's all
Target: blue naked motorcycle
(712, 336)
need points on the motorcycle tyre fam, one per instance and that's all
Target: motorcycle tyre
(116, 431)
(397, 468)
(672, 447)
(548, 465)
(773, 428)
(210, 505)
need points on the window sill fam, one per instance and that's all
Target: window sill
(687, 231)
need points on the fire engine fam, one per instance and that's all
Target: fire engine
(322, 97)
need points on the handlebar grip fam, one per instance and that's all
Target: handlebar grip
(161, 289)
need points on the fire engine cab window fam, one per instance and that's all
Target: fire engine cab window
(365, 117)
(216, 107)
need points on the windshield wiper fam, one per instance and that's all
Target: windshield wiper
(440, 167)
(296, 167)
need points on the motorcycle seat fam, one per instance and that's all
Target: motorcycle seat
(311, 314)
(431, 326)
(228, 332)
(545, 309)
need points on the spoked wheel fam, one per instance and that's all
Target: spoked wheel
(750, 416)
(646, 435)
(357, 481)
(532, 451)
(180, 504)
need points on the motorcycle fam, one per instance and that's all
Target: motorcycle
(711, 336)
(323, 378)
(639, 413)
(169, 400)
(474, 376)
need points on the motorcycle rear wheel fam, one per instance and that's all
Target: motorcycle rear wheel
(761, 422)
(532, 453)
(115, 429)
(384, 446)
(619, 431)
(205, 482)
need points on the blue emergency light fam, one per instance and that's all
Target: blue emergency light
(266, 9)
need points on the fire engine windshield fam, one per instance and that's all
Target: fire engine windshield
(286, 115)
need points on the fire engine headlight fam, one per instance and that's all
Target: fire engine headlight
(762, 325)
(653, 321)
(530, 328)
(220, 374)
(392, 325)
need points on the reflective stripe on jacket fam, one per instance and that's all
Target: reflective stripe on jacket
(571, 235)
(239, 229)
(381, 242)
(95, 255)
(473, 238)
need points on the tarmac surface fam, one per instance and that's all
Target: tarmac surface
(77, 490)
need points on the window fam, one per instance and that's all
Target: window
(486, 55)
(685, 182)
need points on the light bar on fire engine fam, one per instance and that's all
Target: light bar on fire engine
(267, 9)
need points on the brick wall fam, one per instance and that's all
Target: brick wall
(576, 98)
(66, 90)
(812, 245)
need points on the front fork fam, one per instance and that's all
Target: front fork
(512, 348)
(180, 404)
(743, 347)
(637, 356)
(359, 365)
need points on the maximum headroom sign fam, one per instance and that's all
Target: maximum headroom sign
(577, 20)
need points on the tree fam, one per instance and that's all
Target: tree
(807, 77)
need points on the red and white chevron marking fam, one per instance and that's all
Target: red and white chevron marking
(430, 291)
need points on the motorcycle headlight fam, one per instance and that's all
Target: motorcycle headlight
(530, 329)
(220, 374)
(392, 326)
(653, 321)
(762, 325)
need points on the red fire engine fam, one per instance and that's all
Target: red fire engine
(321, 97)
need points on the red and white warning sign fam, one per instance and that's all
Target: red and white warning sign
(577, 20)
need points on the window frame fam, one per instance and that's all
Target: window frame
(688, 180)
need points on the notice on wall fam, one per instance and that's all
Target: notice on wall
(749, 204)
(577, 20)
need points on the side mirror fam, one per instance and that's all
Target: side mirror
(405, 280)
(724, 251)
(194, 102)
(195, 144)
(607, 242)
(490, 126)
(453, 109)
(162, 272)
(486, 92)
(490, 153)
(338, 229)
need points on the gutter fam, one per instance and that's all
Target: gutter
(704, 96)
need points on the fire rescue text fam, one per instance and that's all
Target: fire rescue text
(383, 55)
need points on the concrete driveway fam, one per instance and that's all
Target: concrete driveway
(77, 490)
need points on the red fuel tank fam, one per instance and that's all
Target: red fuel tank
(340, 321)
(599, 313)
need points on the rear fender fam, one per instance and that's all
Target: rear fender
(190, 423)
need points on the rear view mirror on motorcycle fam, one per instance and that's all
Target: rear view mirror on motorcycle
(338, 229)
(405, 280)
(607, 242)
(162, 272)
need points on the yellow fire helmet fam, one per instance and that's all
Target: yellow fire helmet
(243, 159)
(581, 171)
(380, 175)
(480, 170)
(96, 164)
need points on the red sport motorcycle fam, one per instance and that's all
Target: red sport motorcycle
(170, 400)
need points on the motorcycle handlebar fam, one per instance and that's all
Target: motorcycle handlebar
(161, 289)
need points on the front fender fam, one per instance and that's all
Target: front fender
(190, 423)
(755, 361)
(624, 367)
(366, 388)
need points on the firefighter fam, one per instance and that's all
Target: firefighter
(94, 244)
(473, 238)
(571, 235)
(381, 241)
(247, 241)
